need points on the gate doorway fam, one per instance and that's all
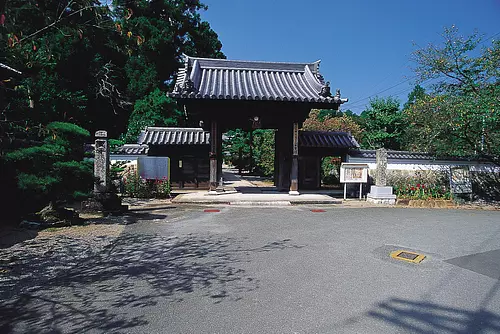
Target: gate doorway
(224, 94)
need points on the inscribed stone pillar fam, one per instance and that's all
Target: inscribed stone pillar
(381, 173)
(213, 155)
(294, 175)
(101, 162)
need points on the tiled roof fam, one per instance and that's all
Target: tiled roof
(174, 136)
(327, 139)
(133, 149)
(404, 155)
(204, 78)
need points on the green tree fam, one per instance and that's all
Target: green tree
(263, 151)
(250, 150)
(155, 109)
(461, 115)
(52, 171)
(154, 35)
(416, 94)
(319, 120)
(384, 124)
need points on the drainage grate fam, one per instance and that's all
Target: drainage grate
(408, 256)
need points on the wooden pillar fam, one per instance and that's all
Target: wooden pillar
(283, 147)
(318, 172)
(220, 181)
(276, 160)
(213, 155)
(294, 174)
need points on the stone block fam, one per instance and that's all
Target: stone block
(381, 195)
(379, 191)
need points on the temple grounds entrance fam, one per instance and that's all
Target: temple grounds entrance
(227, 94)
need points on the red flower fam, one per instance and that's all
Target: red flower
(418, 185)
(412, 188)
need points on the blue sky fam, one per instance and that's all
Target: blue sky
(364, 45)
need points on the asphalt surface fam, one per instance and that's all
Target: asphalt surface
(276, 270)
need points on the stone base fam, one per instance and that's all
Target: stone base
(381, 195)
(103, 202)
(386, 201)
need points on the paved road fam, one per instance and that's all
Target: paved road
(277, 270)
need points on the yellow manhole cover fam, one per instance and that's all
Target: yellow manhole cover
(408, 256)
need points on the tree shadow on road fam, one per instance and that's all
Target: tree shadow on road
(427, 317)
(113, 290)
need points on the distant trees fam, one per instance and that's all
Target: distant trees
(252, 151)
(328, 120)
(384, 124)
(461, 114)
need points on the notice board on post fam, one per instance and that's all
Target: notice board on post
(353, 173)
(154, 168)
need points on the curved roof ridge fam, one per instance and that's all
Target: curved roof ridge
(314, 63)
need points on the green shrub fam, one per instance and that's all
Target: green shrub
(135, 186)
(420, 184)
(330, 170)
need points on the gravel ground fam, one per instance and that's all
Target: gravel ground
(50, 253)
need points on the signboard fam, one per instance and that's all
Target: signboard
(154, 168)
(353, 173)
(460, 180)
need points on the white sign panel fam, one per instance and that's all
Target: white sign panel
(154, 168)
(353, 173)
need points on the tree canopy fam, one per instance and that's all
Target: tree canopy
(90, 64)
(384, 124)
(461, 114)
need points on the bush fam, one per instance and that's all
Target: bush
(420, 184)
(330, 170)
(135, 186)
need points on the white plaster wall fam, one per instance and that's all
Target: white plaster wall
(412, 165)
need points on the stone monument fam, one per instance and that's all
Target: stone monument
(380, 193)
(103, 199)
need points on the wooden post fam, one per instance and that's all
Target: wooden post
(250, 167)
(283, 143)
(213, 156)
(294, 175)
(276, 160)
(240, 159)
(220, 180)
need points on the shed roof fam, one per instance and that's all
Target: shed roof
(324, 139)
(174, 136)
(132, 149)
(205, 78)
